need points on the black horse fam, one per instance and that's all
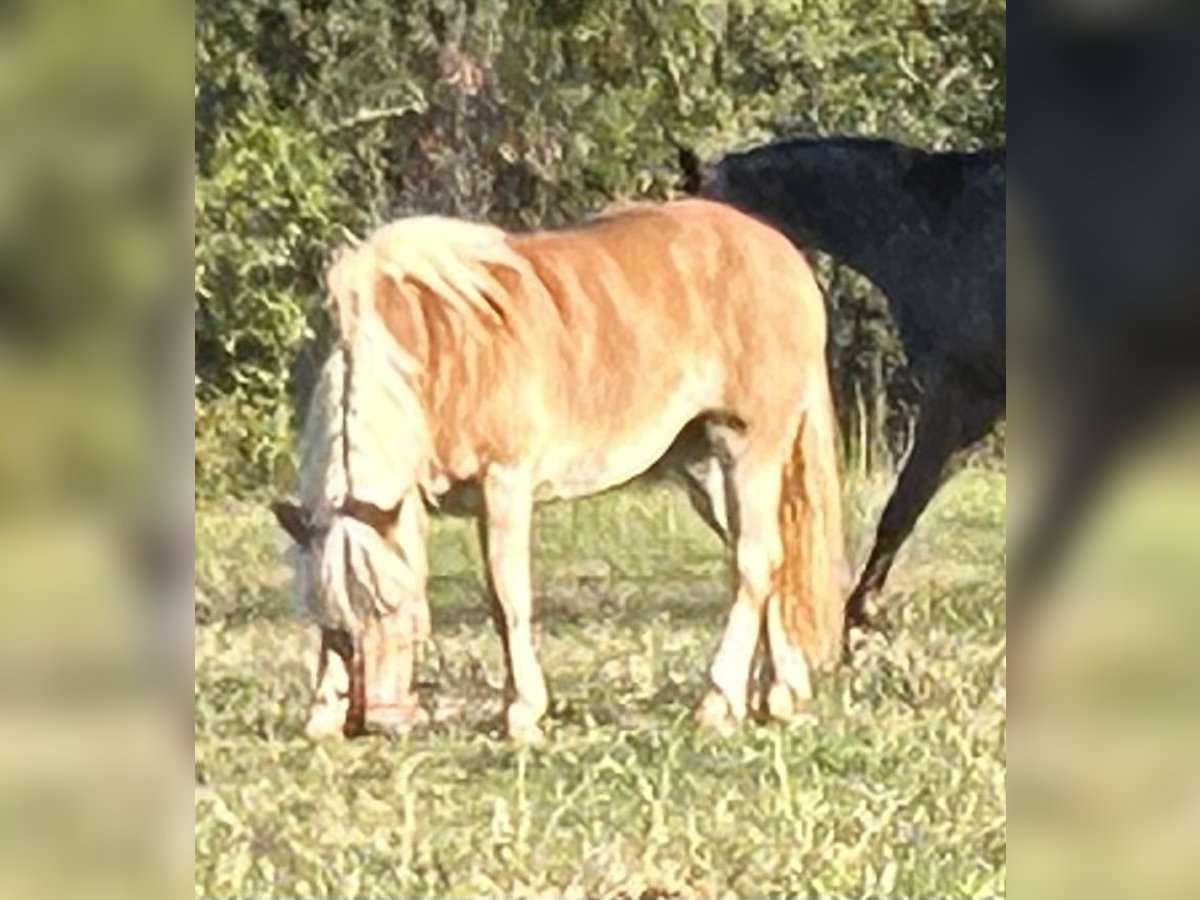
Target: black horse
(929, 230)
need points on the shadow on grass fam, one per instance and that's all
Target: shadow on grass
(568, 603)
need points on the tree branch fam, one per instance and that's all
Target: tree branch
(371, 116)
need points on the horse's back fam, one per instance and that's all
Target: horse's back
(691, 226)
(693, 247)
(690, 300)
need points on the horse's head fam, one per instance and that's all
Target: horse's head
(359, 571)
(359, 466)
(355, 560)
(304, 526)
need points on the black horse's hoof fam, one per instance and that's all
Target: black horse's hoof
(859, 625)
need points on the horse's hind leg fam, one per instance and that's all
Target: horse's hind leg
(706, 486)
(757, 553)
(700, 459)
(508, 496)
(952, 417)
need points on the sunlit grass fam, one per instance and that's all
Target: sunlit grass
(898, 789)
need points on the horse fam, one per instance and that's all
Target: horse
(928, 229)
(495, 370)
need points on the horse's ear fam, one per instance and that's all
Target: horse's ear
(689, 164)
(293, 520)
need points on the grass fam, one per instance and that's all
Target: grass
(896, 790)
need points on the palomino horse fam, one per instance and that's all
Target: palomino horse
(523, 367)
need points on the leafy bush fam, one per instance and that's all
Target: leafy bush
(268, 210)
(318, 118)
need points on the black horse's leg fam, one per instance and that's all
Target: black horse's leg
(701, 461)
(954, 415)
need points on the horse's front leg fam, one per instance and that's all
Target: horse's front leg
(337, 702)
(508, 496)
(391, 642)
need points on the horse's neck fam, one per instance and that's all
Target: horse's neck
(873, 226)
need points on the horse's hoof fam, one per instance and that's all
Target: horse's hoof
(858, 628)
(859, 619)
(786, 706)
(715, 716)
(521, 726)
(527, 735)
(392, 721)
(781, 704)
(325, 723)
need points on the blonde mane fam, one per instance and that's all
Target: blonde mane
(452, 259)
(434, 312)
(391, 445)
(332, 458)
(366, 434)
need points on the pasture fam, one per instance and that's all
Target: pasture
(896, 788)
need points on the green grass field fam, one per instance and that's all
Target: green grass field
(895, 789)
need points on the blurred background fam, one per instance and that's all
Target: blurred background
(1104, 529)
(315, 120)
(95, 465)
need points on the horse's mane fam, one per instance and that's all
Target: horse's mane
(417, 305)
(452, 259)
(439, 312)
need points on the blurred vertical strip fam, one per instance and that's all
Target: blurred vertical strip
(1107, 174)
(1104, 267)
(95, 502)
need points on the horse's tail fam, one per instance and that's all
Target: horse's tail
(810, 578)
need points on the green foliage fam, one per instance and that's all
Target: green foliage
(318, 116)
(270, 213)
